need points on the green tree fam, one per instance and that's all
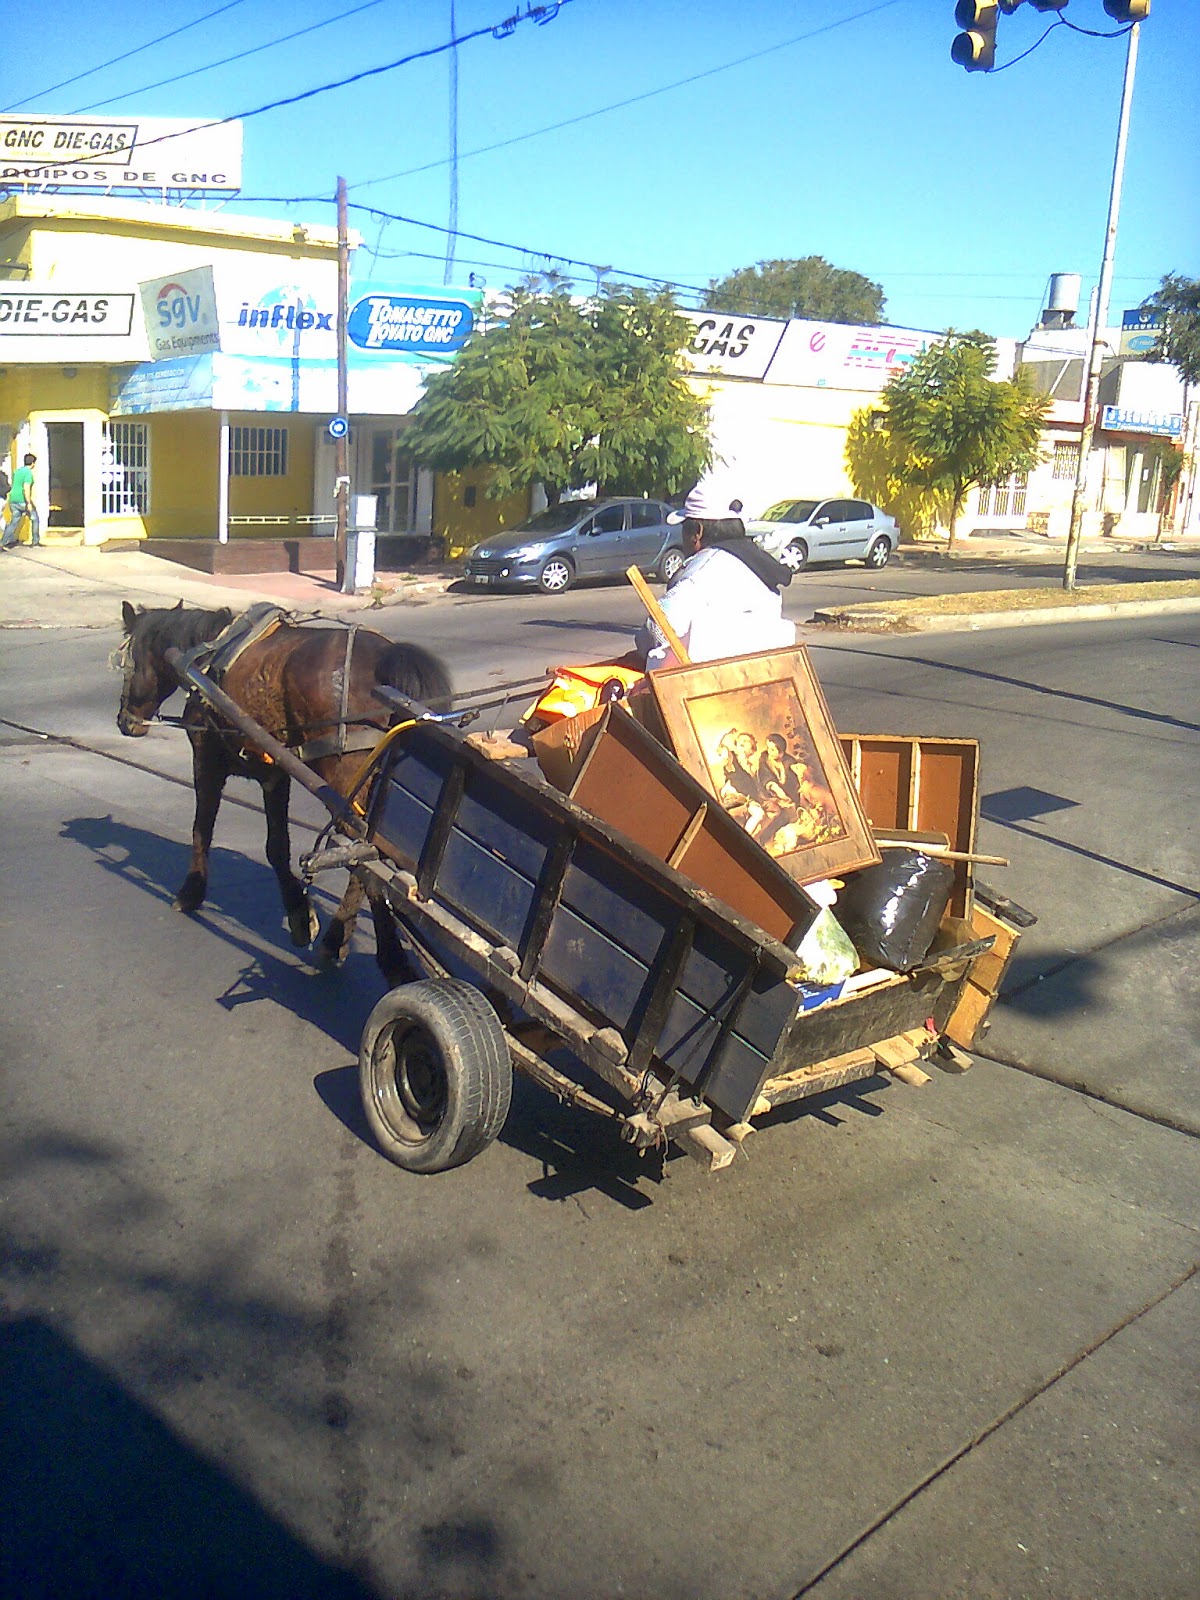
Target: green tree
(958, 425)
(568, 393)
(1177, 302)
(811, 288)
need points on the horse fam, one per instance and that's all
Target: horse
(292, 682)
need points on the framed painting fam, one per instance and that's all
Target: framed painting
(757, 733)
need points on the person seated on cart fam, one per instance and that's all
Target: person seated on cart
(726, 599)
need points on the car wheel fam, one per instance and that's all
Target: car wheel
(557, 576)
(670, 565)
(794, 555)
(877, 555)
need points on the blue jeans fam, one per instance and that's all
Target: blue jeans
(17, 514)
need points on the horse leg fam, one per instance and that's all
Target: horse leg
(301, 918)
(208, 778)
(391, 955)
(335, 941)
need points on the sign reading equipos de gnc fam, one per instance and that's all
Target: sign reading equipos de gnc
(181, 314)
(125, 153)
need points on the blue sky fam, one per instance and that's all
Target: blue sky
(862, 142)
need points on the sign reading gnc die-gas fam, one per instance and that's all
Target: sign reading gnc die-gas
(181, 314)
(139, 153)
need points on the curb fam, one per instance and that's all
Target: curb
(848, 621)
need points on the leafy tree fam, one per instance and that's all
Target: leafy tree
(959, 426)
(877, 462)
(1177, 301)
(809, 288)
(568, 393)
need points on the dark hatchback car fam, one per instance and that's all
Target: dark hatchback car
(579, 539)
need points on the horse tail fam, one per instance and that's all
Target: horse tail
(417, 673)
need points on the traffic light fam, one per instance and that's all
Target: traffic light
(1127, 10)
(975, 48)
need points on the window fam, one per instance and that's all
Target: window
(124, 469)
(258, 453)
(611, 519)
(645, 514)
(1065, 463)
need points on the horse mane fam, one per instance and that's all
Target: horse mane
(179, 627)
(416, 672)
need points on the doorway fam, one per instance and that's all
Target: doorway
(64, 474)
(392, 480)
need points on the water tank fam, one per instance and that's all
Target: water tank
(1064, 295)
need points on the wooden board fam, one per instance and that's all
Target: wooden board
(985, 977)
(627, 778)
(914, 782)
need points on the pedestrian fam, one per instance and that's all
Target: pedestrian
(726, 599)
(19, 506)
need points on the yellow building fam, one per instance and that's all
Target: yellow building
(174, 372)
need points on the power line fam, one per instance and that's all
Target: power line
(162, 38)
(633, 100)
(254, 50)
(541, 14)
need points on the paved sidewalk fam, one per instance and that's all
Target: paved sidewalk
(73, 587)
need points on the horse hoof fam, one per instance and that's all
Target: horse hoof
(188, 908)
(303, 925)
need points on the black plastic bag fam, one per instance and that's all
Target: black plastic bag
(892, 911)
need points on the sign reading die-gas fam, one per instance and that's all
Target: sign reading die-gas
(181, 314)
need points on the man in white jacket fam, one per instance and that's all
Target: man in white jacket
(726, 599)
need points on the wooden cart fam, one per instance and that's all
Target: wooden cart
(608, 977)
(558, 945)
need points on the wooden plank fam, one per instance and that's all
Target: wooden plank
(658, 615)
(549, 893)
(968, 1016)
(816, 1079)
(678, 856)
(669, 963)
(438, 836)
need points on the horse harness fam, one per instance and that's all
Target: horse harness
(216, 656)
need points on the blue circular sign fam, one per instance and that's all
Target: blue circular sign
(338, 427)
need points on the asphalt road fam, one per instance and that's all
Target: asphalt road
(918, 1343)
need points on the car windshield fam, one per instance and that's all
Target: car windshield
(556, 519)
(790, 511)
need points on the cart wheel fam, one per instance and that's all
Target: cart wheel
(435, 1074)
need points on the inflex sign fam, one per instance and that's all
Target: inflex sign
(415, 326)
(181, 314)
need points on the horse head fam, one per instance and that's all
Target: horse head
(149, 678)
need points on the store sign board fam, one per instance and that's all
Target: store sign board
(1139, 332)
(120, 153)
(836, 355)
(733, 346)
(408, 324)
(1126, 419)
(29, 312)
(185, 384)
(181, 314)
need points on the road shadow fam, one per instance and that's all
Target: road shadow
(102, 1499)
(1007, 681)
(243, 911)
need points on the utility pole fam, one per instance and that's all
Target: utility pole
(341, 491)
(1100, 317)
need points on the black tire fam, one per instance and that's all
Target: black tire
(435, 1074)
(670, 565)
(795, 555)
(557, 576)
(877, 556)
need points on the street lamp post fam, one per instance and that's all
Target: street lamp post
(1100, 317)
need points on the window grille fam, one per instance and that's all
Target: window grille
(258, 453)
(1004, 499)
(124, 469)
(1066, 460)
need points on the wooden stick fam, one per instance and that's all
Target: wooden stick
(658, 615)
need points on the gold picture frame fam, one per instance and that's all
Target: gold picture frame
(756, 732)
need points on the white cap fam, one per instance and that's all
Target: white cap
(705, 504)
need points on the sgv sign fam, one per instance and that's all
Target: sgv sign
(403, 323)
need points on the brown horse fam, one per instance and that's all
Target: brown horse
(291, 682)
